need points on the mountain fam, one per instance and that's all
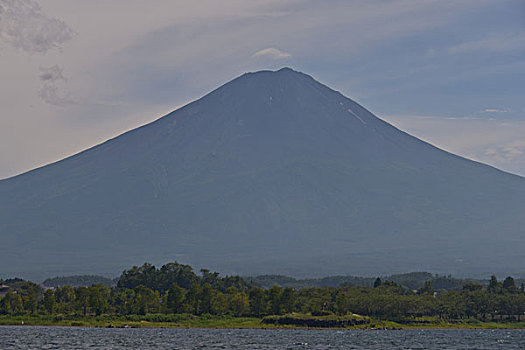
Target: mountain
(272, 173)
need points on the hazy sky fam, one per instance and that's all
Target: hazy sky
(74, 72)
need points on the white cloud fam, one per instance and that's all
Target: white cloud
(493, 43)
(272, 53)
(24, 26)
(507, 152)
(496, 110)
(53, 79)
(52, 73)
(27, 29)
(49, 93)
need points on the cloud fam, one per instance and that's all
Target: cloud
(492, 43)
(496, 110)
(49, 93)
(507, 152)
(272, 53)
(54, 80)
(53, 77)
(52, 74)
(24, 26)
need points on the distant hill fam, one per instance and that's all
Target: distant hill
(412, 281)
(272, 173)
(268, 281)
(79, 281)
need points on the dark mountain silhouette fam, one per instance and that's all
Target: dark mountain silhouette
(271, 173)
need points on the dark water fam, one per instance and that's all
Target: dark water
(101, 338)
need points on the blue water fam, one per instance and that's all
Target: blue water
(101, 338)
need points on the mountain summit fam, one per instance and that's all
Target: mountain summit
(272, 172)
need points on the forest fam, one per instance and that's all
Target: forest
(176, 289)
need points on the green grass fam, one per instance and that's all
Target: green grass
(209, 321)
(327, 321)
(436, 323)
(152, 320)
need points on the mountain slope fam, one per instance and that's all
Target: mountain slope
(271, 173)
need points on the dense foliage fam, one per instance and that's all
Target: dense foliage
(78, 281)
(176, 289)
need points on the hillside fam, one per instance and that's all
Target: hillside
(272, 173)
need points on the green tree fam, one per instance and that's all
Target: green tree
(30, 300)
(82, 299)
(49, 301)
(494, 286)
(175, 299)
(146, 275)
(257, 301)
(377, 282)
(239, 304)
(472, 286)
(206, 298)
(482, 305)
(288, 300)
(123, 301)
(220, 304)
(146, 300)
(98, 298)
(212, 278)
(341, 303)
(11, 304)
(233, 281)
(174, 272)
(274, 300)
(509, 286)
(65, 298)
(193, 298)
(520, 306)
(427, 289)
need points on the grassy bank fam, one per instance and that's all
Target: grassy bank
(287, 321)
(445, 324)
(136, 321)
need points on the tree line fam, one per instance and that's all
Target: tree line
(175, 288)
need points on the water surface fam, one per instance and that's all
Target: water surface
(19, 337)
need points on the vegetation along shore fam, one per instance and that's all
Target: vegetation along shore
(175, 296)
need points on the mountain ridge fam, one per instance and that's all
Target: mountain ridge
(273, 169)
(283, 69)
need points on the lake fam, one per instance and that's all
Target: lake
(18, 337)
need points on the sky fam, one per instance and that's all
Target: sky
(74, 73)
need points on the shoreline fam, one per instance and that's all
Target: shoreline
(269, 328)
(235, 323)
